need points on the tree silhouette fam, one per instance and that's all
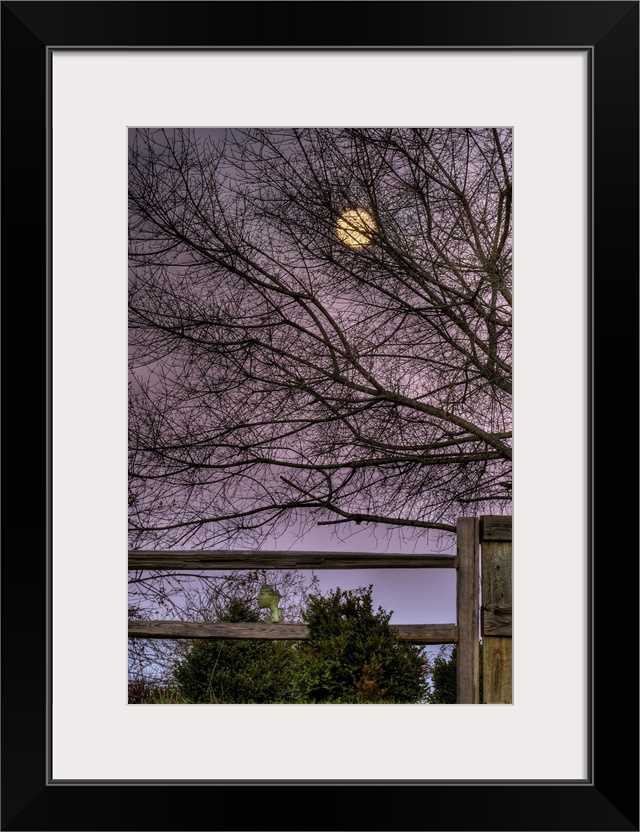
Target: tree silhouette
(283, 374)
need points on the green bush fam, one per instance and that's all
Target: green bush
(353, 655)
(230, 671)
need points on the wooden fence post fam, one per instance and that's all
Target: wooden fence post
(497, 608)
(468, 601)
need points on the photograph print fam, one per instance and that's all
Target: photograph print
(320, 415)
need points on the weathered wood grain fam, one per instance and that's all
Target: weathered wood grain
(497, 603)
(497, 671)
(415, 633)
(496, 527)
(216, 629)
(468, 604)
(427, 633)
(496, 621)
(242, 559)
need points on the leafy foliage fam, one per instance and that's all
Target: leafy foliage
(444, 677)
(229, 671)
(354, 656)
(198, 597)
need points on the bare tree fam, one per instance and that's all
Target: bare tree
(320, 330)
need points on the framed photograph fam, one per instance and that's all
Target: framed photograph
(561, 81)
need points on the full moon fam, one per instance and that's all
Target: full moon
(355, 228)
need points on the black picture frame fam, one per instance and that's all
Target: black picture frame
(608, 799)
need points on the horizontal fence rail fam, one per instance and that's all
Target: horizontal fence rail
(241, 559)
(483, 551)
(415, 633)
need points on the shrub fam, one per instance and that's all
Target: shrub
(354, 656)
(227, 671)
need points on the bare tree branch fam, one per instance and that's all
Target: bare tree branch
(280, 376)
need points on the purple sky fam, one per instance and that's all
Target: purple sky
(415, 596)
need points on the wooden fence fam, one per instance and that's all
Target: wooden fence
(482, 561)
